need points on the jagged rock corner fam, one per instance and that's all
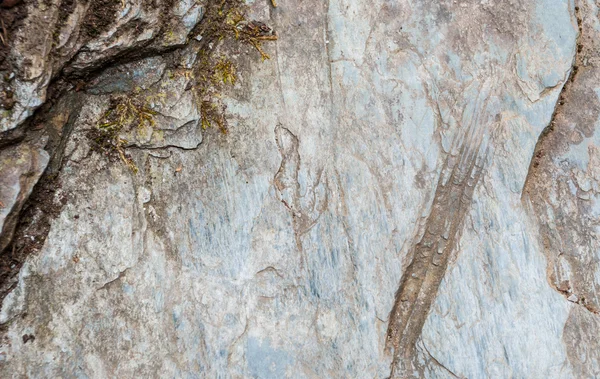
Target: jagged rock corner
(406, 189)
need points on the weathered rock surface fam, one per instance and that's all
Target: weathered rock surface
(407, 188)
(20, 168)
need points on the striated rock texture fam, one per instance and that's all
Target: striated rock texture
(406, 189)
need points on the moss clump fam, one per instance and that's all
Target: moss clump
(125, 113)
(225, 71)
(211, 76)
(225, 23)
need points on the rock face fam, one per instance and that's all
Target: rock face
(406, 189)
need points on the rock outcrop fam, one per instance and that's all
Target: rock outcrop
(404, 189)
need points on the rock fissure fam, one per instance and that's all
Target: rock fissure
(439, 364)
(107, 285)
(165, 147)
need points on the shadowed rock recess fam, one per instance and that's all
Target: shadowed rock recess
(300, 189)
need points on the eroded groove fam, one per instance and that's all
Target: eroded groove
(421, 280)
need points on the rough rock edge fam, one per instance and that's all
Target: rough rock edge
(548, 132)
(47, 200)
(549, 129)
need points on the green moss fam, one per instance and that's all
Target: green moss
(125, 114)
(225, 23)
(225, 71)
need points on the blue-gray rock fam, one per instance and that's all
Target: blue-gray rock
(407, 189)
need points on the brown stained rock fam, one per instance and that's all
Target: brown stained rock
(20, 168)
(9, 3)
